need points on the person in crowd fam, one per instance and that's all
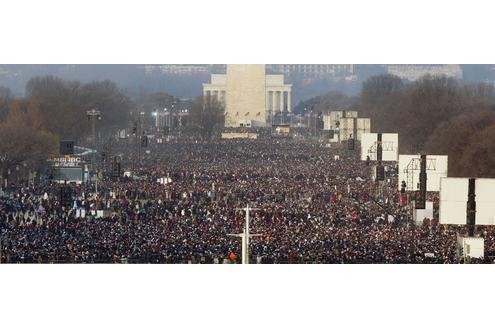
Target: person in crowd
(316, 204)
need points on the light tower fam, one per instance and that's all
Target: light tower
(245, 235)
(93, 116)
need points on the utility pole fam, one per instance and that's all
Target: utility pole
(245, 235)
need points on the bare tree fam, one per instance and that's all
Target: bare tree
(64, 105)
(378, 87)
(467, 140)
(5, 98)
(440, 112)
(206, 117)
(25, 139)
(333, 100)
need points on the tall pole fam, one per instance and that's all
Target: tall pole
(93, 128)
(471, 208)
(245, 235)
(94, 115)
(315, 125)
(140, 133)
(379, 157)
(180, 123)
(245, 250)
(421, 202)
(379, 149)
(306, 113)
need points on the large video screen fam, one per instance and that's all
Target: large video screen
(454, 197)
(69, 174)
(409, 169)
(390, 146)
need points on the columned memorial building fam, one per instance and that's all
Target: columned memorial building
(250, 96)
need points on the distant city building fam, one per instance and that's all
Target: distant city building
(177, 69)
(314, 70)
(251, 97)
(3, 72)
(166, 120)
(414, 72)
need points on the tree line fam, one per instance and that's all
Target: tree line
(51, 110)
(54, 109)
(435, 114)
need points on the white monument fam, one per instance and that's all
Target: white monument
(251, 97)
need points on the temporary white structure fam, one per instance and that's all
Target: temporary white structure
(390, 146)
(409, 169)
(454, 197)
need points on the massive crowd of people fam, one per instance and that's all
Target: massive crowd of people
(315, 204)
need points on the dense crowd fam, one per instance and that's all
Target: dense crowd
(316, 204)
